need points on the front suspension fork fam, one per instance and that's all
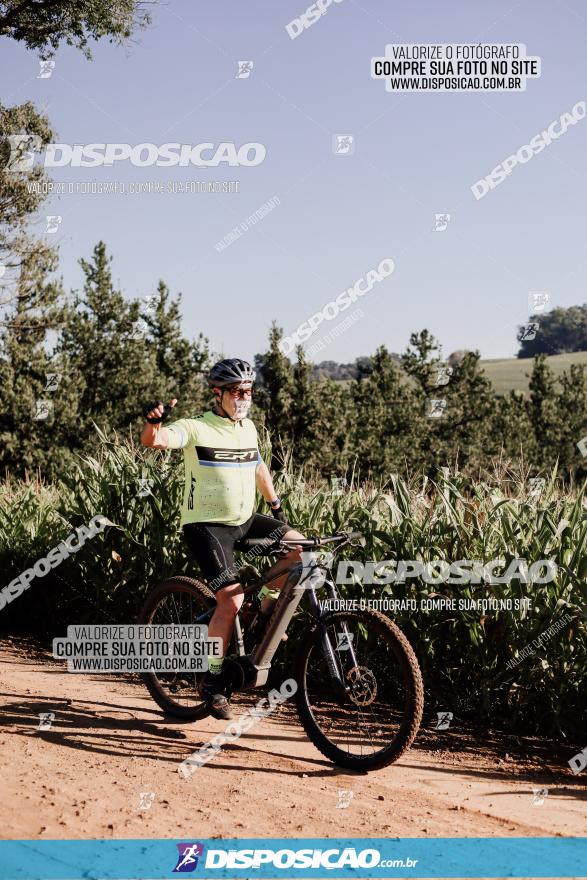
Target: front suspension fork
(334, 667)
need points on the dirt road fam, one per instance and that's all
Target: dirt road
(109, 746)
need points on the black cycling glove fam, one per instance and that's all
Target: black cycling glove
(149, 407)
(278, 513)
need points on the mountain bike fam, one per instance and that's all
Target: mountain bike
(359, 691)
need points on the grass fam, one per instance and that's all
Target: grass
(513, 374)
(510, 374)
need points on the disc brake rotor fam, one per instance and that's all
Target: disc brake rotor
(363, 686)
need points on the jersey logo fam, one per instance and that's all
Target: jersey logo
(246, 455)
(210, 456)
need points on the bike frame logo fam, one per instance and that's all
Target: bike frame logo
(188, 856)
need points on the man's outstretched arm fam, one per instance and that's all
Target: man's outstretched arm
(155, 436)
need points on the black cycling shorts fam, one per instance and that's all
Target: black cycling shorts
(213, 545)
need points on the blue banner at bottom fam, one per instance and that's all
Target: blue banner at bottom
(388, 858)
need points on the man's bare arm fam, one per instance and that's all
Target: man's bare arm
(264, 482)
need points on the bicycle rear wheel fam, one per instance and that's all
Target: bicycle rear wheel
(368, 716)
(180, 600)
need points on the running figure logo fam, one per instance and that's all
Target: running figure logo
(443, 374)
(529, 331)
(441, 222)
(436, 408)
(345, 641)
(244, 69)
(538, 795)
(343, 144)
(47, 68)
(189, 853)
(191, 495)
(444, 719)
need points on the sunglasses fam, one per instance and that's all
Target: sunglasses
(240, 393)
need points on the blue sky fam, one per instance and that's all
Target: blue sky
(416, 154)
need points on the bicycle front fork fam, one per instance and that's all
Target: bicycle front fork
(290, 597)
(345, 639)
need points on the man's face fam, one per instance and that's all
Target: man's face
(235, 400)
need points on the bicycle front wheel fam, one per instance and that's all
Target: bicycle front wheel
(179, 600)
(360, 693)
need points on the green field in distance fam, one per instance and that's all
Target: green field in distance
(508, 374)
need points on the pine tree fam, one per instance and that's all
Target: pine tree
(274, 395)
(386, 419)
(572, 419)
(109, 359)
(510, 433)
(304, 411)
(421, 358)
(544, 416)
(180, 364)
(471, 406)
(457, 399)
(333, 453)
(27, 437)
(22, 130)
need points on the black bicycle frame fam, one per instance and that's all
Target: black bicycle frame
(285, 607)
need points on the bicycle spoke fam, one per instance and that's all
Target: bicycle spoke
(365, 717)
(179, 607)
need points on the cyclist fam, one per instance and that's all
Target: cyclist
(223, 467)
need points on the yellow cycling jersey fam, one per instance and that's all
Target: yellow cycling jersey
(220, 458)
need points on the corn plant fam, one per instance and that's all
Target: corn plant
(472, 661)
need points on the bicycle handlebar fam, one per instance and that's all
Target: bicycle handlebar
(320, 542)
(305, 543)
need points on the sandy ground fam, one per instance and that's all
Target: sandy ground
(109, 742)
